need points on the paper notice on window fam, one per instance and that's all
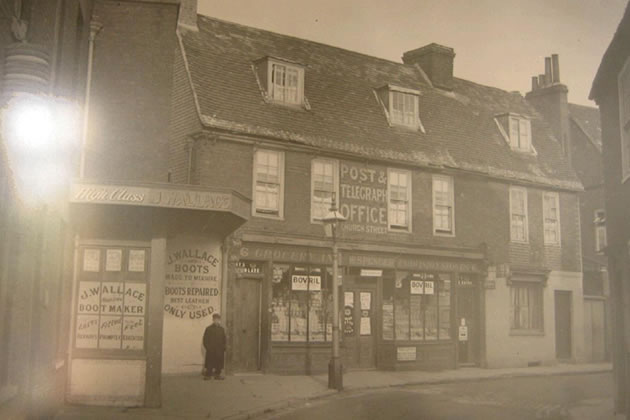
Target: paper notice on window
(416, 287)
(348, 299)
(366, 326)
(113, 260)
(86, 333)
(429, 287)
(136, 260)
(92, 260)
(366, 300)
(133, 333)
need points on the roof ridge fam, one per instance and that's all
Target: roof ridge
(593, 108)
(303, 40)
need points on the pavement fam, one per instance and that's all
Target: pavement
(245, 396)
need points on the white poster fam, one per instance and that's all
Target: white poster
(136, 260)
(406, 353)
(416, 287)
(366, 326)
(133, 333)
(304, 282)
(366, 301)
(92, 260)
(113, 260)
(429, 287)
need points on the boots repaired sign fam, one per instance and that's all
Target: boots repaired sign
(192, 289)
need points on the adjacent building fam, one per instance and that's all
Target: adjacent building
(611, 91)
(580, 128)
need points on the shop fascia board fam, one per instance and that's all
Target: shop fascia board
(345, 245)
(160, 195)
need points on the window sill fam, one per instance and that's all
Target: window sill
(392, 229)
(444, 234)
(552, 245)
(539, 333)
(268, 216)
(514, 241)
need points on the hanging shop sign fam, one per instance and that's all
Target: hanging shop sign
(463, 333)
(192, 288)
(363, 198)
(249, 267)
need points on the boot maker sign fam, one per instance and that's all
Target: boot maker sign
(363, 198)
(192, 288)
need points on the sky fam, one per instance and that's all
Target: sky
(499, 43)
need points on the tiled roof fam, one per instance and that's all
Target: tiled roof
(345, 116)
(587, 118)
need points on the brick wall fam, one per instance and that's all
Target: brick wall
(131, 91)
(481, 209)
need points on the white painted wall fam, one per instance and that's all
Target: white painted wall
(107, 382)
(505, 349)
(182, 349)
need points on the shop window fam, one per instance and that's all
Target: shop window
(443, 205)
(301, 306)
(324, 185)
(551, 214)
(111, 299)
(268, 183)
(518, 214)
(526, 306)
(399, 199)
(417, 307)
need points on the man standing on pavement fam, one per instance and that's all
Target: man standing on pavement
(214, 343)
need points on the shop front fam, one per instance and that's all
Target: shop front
(398, 311)
(148, 275)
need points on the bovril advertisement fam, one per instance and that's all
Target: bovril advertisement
(192, 293)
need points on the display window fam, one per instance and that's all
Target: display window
(301, 306)
(417, 307)
(111, 299)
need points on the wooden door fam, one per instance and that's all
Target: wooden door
(563, 324)
(594, 330)
(467, 330)
(246, 325)
(359, 324)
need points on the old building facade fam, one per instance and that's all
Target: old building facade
(610, 90)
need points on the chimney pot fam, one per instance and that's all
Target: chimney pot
(548, 76)
(541, 80)
(555, 68)
(534, 83)
(436, 61)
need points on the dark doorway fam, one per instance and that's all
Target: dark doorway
(246, 325)
(467, 329)
(563, 324)
(359, 322)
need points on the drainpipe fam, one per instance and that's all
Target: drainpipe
(95, 28)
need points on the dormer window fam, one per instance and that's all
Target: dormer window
(517, 131)
(281, 81)
(400, 105)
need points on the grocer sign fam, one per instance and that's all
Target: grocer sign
(192, 288)
(363, 198)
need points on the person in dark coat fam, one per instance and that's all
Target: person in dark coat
(214, 343)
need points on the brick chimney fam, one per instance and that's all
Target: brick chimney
(549, 97)
(436, 61)
(188, 14)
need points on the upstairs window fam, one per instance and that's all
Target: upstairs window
(404, 109)
(517, 131)
(601, 242)
(520, 134)
(443, 205)
(551, 214)
(324, 183)
(399, 199)
(268, 183)
(400, 106)
(518, 214)
(624, 119)
(281, 81)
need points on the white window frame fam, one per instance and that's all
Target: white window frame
(537, 290)
(623, 78)
(255, 212)
(556, 197)
(451, 198)
(398, 228)
(335, 168)
(600, 226)
(520, 142)
(525, 222)
(271, 88)
(397, 118)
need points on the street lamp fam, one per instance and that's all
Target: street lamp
(331, 222)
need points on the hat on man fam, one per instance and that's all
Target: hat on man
(216, 315)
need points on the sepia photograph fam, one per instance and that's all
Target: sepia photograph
(315, 209)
